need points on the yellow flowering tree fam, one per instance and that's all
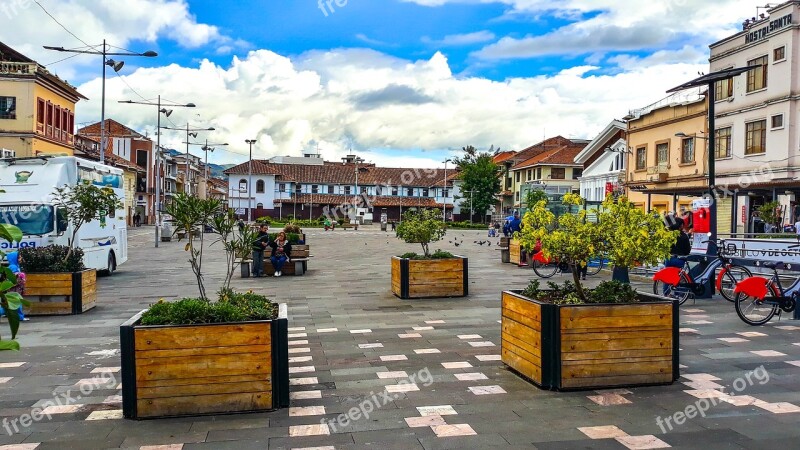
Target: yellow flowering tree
(570, 239)
(632, 236)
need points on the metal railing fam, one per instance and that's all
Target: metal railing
(17, 68)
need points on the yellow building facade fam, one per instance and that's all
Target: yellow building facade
(37, 109)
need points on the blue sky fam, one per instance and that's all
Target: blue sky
(406, 82)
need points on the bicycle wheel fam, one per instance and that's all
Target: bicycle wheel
(595, 266)
(733, 275)
(754, 311)
(681, 292)
(545, 270)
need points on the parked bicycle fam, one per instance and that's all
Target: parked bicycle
(758, 299)
(678, 283)
(547, 267)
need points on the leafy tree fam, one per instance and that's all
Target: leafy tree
(771, 213)
(421, 227)
(191, 213)
(535, 196)
(238, 246)
(570, 239)
(480, 176)
(84, 203)
(632, 236)
(10, 301)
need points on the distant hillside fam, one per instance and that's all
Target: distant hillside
(216, 169)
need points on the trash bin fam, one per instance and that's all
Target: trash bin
(383, 226)
(166, 232)
(245, 269)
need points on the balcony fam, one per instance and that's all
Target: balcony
(658, 173)
(18, 68)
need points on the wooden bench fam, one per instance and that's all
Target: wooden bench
(347, 226)
(505, 256)
(295, 266)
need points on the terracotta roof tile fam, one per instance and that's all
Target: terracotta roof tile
(378, 202)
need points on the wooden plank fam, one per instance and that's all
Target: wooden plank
(204, 404)
(631, 342)
(183, 352)
(49, 291)
(511, 315)
(610, 335)
(210, 381)
(213, 366)
(48, 308)
(577, 312)
(522, 366)
(593, 357)
(622, 380)
(436, 265)
(601, 323)
(37, 279)
(396, 274)
(523, 307)
(432, 291)
(532, 350)
(526, 335)
(167, 338)
(456, 276)
(199, 388)
(629, 366)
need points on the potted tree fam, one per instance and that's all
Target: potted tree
(438, 274)
(195, 357)
(568, 337)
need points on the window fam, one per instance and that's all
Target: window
(8, 107)
(517, 177)
(447, 193)
(410, 192)
(757, 78)
(141, 158)
(298, 188)
(260, 187)
(260, 206)
(662, 154)
(724, 89)
(330, 189)
(529, 174)
(756, 137)
(394, 191)
(779, 54)
(242, 185)
(425, 193)
(687, 151)
(777, 121)
(558, 173)
(641, 158)
(282, 187)
(8, 153)
(517, 196)
(347, 190)
(539, 173)
(723, 146)
(314, 189)
(577, 173)
(40, 116)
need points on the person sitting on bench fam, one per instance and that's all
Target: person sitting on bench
(281, 252)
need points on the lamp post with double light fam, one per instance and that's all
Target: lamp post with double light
(207, 147)
(249, 142)
(117, 66)
(190, 132)
(157, 176)
(444, 191)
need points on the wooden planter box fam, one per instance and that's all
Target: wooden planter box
(430, 278)
(192, 370)
(571, 347)
(515, 253)
(54, 294)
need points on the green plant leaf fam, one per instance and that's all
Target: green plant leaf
(6, 286)
(13, 320)
(14, 300)
(9, 345)
(10, 233)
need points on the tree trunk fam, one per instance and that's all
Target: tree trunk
(621, 274)
(576, 278)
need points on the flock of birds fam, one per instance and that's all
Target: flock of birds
(457, 242)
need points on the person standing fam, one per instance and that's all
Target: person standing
(281, 252)
(240, 224)
(259, 245)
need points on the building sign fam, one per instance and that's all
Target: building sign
(766, 30)
(744, 215)
(763, 250)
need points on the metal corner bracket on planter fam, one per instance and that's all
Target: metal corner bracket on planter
(591, 346)
(58, 294)
(192, 370)
(430, 278)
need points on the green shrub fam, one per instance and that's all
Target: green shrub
(230, 308)
(438, 254)
(293, 238)
(266, 220)
(567, 294)
(291, 228)
(51, 259)
(467, 225)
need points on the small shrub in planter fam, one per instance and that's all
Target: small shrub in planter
(195, 357)
(57, 281)
(52, 259)
(438, 274)
(291, 228)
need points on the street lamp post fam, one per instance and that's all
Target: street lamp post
(207, 147)
(157, 176)
(250, 142)
(444, 191)
(117, 66)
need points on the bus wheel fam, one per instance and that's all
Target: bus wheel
(112, 265)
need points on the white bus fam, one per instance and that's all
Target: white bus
(29, 184)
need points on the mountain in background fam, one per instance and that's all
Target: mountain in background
(216, 170)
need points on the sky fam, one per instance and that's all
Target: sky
(398, 82)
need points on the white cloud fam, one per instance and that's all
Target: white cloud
(461, 39)
(371, 100)
(144, 22)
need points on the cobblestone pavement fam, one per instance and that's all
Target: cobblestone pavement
(351, 339)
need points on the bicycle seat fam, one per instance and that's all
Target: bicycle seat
(770, 264)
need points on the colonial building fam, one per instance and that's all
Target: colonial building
(37, 109)
(604, 160)
(757, 137)
(667, 159)
(309, 187)
(137, 148)
(505, 200)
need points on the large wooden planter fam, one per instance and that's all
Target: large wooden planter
(515, 252)
(191, 370)
(591, 346)
(53, 294)
(430, 278)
